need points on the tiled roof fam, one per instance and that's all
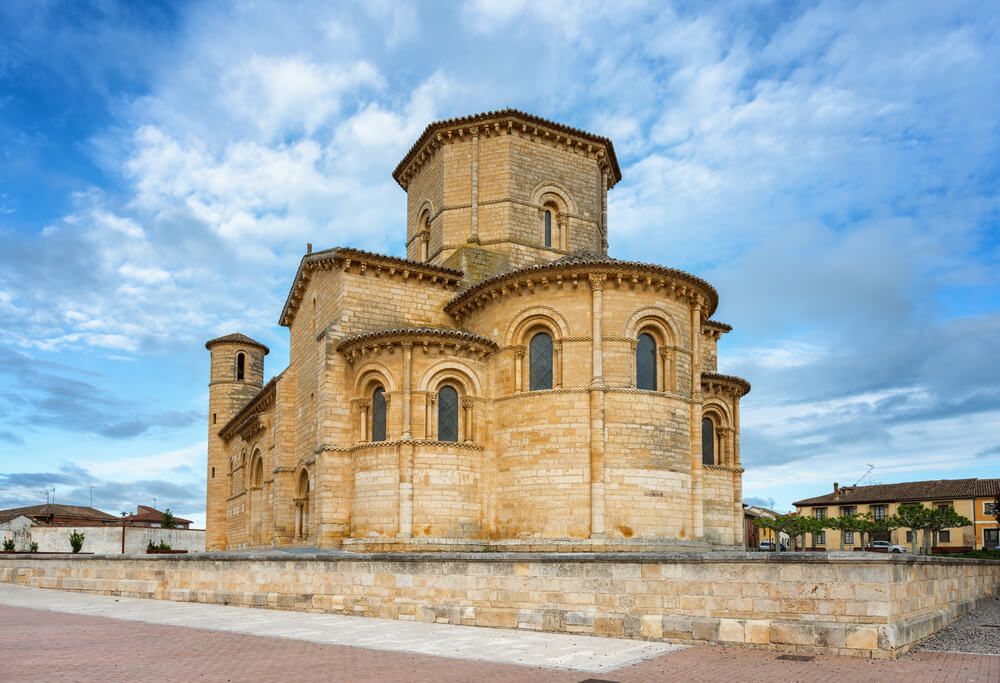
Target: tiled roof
(340, 253)
(987, 487)
(508, 113)
(417, 331)
(586, 258)
(146, 513)
(727, 379)
(82, 513)
(936, 489)
(236, 338)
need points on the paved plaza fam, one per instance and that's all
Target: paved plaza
(48, 635)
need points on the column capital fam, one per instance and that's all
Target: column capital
(597, 281)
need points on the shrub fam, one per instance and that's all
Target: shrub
(163, 546)
(8, 545)
(76, 541)
(150, 545)
(33, 547)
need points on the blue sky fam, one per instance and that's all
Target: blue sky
(833, 168)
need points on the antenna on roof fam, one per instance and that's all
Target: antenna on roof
(867, 475)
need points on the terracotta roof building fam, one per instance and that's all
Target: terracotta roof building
(151, 517)
(52, 514)
(971, 498)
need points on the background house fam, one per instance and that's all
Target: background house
(969, 497)
(151, 517)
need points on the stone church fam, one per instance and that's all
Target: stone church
(506, 386)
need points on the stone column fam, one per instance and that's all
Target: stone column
(604, 210)
(474, 236)
(363, 409)
(470, 430)
(697, 477)
(557, 378)
(597, 387)
(664, 374)
(597, 343)
(429, 417)
(405, 490)
(407, 371)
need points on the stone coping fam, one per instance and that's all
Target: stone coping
(716, 557)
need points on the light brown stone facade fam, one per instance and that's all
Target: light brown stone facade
(506, 243)
(838, 603)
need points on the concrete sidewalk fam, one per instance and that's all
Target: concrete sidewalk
(501, 646)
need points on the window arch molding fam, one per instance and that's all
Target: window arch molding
(465, 381)
(718, 415)
(256, 473)
(554, 199)
(657, 323)
(369, 377)
(522, 330)
(422, 229)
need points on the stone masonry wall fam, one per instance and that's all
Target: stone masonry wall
(834, 604)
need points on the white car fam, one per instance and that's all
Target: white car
(885, 545)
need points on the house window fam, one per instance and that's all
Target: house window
(943, 506)
(540, 362)
(879, 511)
(378, 414)
(849, 537)
(988, 509)
(909, 535)
(944, 536)
(820, 513)
(846, 510)
(645, 363)
(707, 441)
(548, 228)
(241, 365)
(447, 414)
(821, 538)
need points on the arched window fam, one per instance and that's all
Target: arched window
(447, 414)
(548, 228)
(241, 366)
(645, 363)
(707, 441)
(378, 414)
(540, 362)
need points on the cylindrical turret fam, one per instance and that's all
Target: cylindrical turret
(237, 375)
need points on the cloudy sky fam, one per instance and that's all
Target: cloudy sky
(833, 168)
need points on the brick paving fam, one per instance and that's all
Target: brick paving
(39, 645)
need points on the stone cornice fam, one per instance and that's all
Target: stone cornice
(713, 382)
(574, 271)
(258, 404)
(362, 262)
(426, 338)
(506, 122)
(400, 442)
(715, 329)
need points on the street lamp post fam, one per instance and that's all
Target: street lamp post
(123, 532)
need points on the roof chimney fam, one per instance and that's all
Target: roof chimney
(309, 247)
(836, 491)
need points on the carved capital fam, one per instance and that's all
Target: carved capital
(406, 344)
(597, 281)
(365, 403)
(468, 402)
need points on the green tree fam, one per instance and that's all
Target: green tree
(76, 541)
(843, 524)
(913, 516)
(939, 520)
(167, 521)
(8, 545)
